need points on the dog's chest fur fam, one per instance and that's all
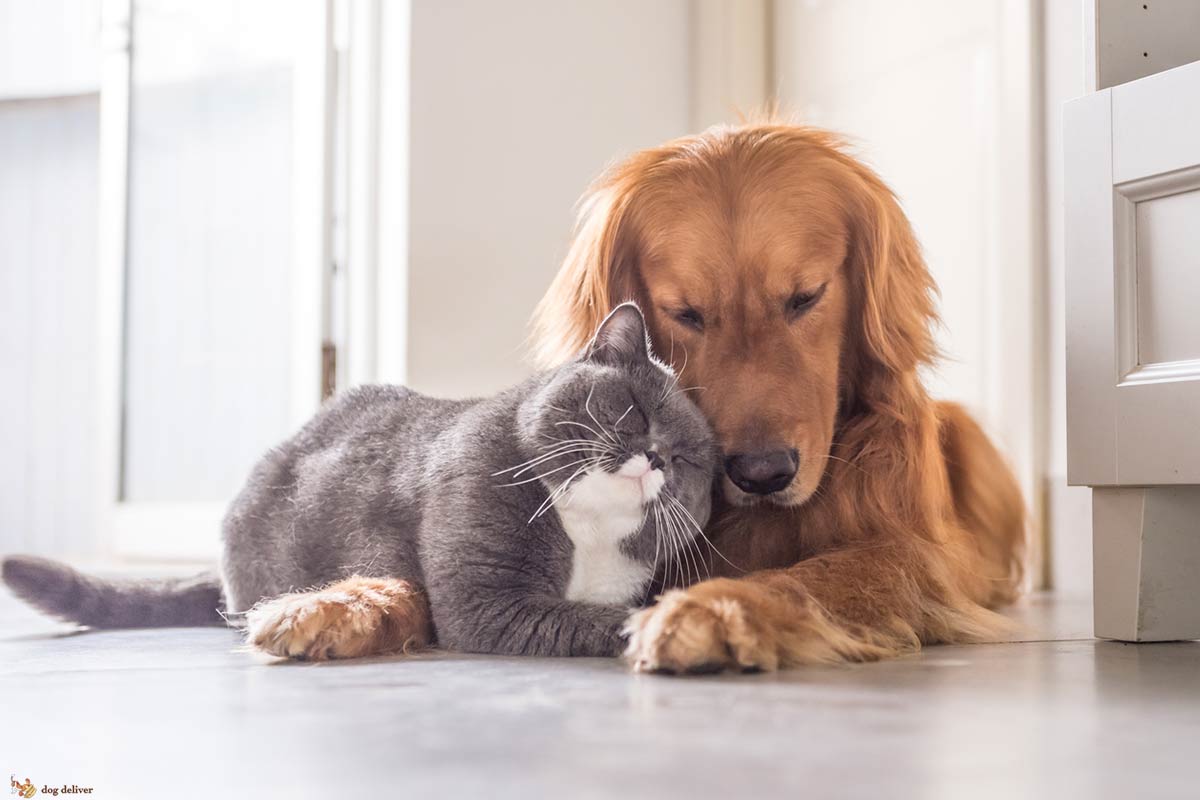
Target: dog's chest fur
(598, 513)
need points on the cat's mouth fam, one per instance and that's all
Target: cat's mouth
(643, 474)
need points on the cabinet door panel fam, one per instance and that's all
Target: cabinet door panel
(1133, 281)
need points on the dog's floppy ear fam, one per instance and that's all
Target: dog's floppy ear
(597, 273)
(621, 337)
(895, 293)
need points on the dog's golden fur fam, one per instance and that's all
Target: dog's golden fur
(349, 618)
(781, 275)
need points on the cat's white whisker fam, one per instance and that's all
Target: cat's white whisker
(560, 454)
(674, 542)
(688, 389)
(557, 494)
(622, 417)
(678, 373)
(653, 565)
(657, 544)
(681, 545)
(700, 532)
(686, 540)
(563, 447)
(580, 441)
(685, 519)
(541, 475)
(533, 462)
(549, 454)
(681, 538)
(664, 535)
(601, 447)
(587, 406)
(677, 547)
(601, 437)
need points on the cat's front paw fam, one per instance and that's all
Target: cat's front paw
(353, 617)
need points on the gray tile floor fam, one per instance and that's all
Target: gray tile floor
(184, 713)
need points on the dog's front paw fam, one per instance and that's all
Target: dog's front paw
(354, 617)
(708, 628)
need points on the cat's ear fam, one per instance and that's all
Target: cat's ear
(621, 337)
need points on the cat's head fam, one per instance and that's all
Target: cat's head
(613, 427)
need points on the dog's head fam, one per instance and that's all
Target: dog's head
(776, 272)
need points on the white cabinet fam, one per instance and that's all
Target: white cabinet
(1133, 347)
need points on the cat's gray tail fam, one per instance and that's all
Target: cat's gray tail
(58, 590)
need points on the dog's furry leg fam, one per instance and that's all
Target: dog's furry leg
(849, 605)
(988, 504)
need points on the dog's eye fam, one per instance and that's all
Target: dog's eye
(801, 302)
(690, 317)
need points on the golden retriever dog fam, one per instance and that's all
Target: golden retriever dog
(857, 517)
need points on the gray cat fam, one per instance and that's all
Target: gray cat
(532, 520)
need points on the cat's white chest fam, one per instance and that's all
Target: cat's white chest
(601, 510)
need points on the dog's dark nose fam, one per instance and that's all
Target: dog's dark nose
(656, 461)
(762, 473)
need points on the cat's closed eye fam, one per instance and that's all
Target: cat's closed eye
(632, 422)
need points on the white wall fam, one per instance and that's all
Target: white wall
(49, 47)
(914, 87)
(515, 106)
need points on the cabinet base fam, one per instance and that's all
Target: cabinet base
(1146, 562)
